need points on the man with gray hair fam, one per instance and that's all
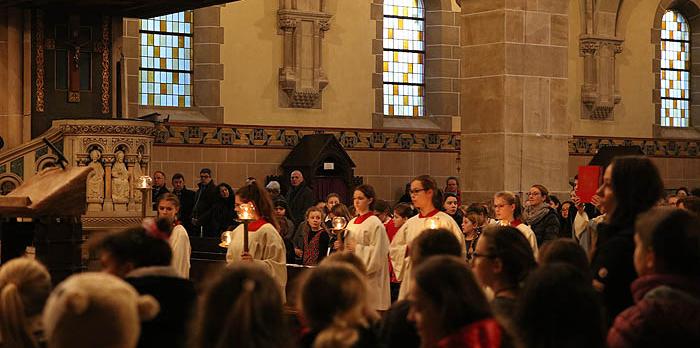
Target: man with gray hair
(299, 198)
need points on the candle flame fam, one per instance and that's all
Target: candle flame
(145, 182)
(246, 211)
(226, 238)
(339, 223)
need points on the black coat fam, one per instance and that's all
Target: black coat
(396, 331)
(176, 297)
(613, 265)
(204, 200)
(299, 199)
(547, 228)
(155, 193)
(186, 198)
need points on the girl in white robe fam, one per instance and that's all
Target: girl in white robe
(168, 207)
(367, 238)
(424, 197)
(505, 208)
(265, 245)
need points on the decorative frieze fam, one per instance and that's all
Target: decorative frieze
(599, 93)
(301, 76)
(288, 137)
(589, 146)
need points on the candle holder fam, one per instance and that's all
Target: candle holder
(144, 185)
(226, 238)
(339, 223)
(246, 214)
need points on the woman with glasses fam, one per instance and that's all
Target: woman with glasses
(426, 198)
(540, 216)
(502, 260)
(507, 210)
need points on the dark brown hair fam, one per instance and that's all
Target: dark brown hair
(368, 191)
(566, 250)
(674, 237)
(242, 307)
(450, 287)
(637, 187)
(429, 183)
(403, 210)
(510, 246)
(434, 242)
(253, 192)
(170, 198)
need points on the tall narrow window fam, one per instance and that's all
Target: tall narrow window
(404, 53)
(675, 70)
(166, 60)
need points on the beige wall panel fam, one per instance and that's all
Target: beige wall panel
(367, 162)
(252, 55)
(233, 174)
(634, 116)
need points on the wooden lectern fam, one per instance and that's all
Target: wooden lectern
(44, 213)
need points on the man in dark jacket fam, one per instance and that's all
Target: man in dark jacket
(186, 198)
(299, 198)
(203, 200)
(158, 188)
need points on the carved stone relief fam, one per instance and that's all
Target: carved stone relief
(95, 181)
(301, 77)
(599, 93)
(120, 182)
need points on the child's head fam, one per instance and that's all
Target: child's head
(105, 307)
(242, 307)
(281, 208)
(168, 206)
(314, 217)
(122, 252)
(667, 241)
(402, 212)
(25, 285)
(382, 210)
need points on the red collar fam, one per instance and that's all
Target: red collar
(255, 225)
(480, 334)
(360, 219)
(432, 213)
(516, 223)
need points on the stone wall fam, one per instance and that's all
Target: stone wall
(387, 171)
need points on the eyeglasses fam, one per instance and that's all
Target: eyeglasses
(532, 193)
(416, 191)
(205, 176)
(475, 255)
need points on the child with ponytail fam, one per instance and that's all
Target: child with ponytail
(25, 284)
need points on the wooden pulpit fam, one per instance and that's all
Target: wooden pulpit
(44, 214)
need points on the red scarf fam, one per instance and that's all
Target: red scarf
(484, 333)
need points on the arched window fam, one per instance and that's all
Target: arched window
(675, 70)
(404, 56)
(165, 75)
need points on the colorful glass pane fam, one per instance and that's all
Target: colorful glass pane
(166, 60)
(675, 70)
(404, 58)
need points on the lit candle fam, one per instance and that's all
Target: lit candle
(339, 223)
(226, 239)
(246, 211)
(145, 182)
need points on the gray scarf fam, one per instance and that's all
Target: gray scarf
(534, 213)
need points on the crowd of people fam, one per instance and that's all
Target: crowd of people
(622, 270)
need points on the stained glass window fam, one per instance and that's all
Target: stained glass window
(404, 55)
(165, 76)
(675, 70)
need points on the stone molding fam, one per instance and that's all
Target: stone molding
(599, 93)
(297, 88)
(205, 135)
(672, 148)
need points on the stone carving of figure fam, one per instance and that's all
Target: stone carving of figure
(138, 172)
(120, 180)
(96, 178)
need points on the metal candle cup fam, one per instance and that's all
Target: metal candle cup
(246, 213)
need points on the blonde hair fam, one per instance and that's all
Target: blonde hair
(334, 301)
(25, 284)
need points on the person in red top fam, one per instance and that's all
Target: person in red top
(450, 309)
(383, 212)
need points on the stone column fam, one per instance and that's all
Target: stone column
(513, 96)
(11, 74)
(108, 205)
(130, 162)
